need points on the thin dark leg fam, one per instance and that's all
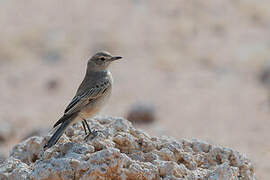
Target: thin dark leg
(87, 125)
(91, 133)
(84, 127)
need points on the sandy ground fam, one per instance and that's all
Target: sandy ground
(197, 62)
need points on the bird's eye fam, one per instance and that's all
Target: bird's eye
(102, 58)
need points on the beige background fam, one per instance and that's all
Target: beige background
(197, 62)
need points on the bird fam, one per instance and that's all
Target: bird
(93, 92)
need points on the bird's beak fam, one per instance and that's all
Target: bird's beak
(116, 58)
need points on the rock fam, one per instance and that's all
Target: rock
(52, 85)
(36, 132)
(6, 131)
(14, 169)
(264, 75)
(141, 113)
(122, 152)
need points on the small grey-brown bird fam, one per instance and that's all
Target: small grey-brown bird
(91, 95)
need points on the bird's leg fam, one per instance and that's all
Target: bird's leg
(83, 123)
(94, 133)
(87, 125)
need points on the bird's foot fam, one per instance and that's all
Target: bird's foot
(91, 135)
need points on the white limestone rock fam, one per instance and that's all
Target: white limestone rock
(122, 152)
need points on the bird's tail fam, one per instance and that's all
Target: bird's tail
(56, 136)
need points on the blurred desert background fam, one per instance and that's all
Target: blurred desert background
(203, 66)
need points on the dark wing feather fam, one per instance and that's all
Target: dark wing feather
(63, 119)
(74, 101)
(78, 102)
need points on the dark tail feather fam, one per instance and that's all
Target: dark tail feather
(62, 119)
(56, 136)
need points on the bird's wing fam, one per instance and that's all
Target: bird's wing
(78, 102)
(72, 103)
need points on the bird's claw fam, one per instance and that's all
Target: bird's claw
(91, 135)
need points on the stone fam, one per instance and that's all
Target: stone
(6, 131)
(264, 75)
(52, 85)
(141, 113)
(123, 152)
(35, 132)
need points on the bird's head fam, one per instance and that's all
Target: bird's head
(100, 61)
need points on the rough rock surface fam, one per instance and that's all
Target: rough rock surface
(122, 152)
